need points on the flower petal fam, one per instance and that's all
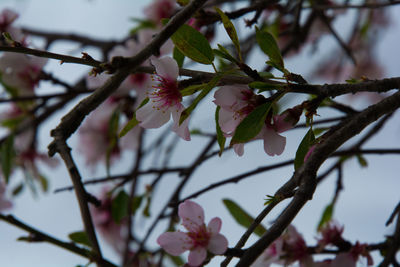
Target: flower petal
(174, 243)
(197, 256)
(151, 117)
(239, 149)
(166, 67)
(227, 121)
(226, 96)
(183, 129)
(192, 215)
(274, 144)
(214, 226)
(217, 244)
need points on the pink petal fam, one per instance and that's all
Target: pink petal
(282, 123)
(197, 256)
(217, 244)
(344, 259)
(174, 243)
(151, 117)
(227, 121)
(183, 129)
(239, 149)
(214, 226)
(274, 144)
(166, 67)
(192, 215)
(226, 96)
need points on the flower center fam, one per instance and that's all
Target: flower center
(166, 93)
(200, 238)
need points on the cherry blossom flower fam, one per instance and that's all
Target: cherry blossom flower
(95, 139)
(7, 18)
(287, 249)
(237, 102)
(164, 100)
(138, 82)
(348, 259)
(20, 72)
(160, 9)
(4, 202)
(199, 239)
(114, 233)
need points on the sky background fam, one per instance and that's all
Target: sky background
(370, 193)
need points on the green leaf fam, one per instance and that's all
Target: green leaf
(326, 216)
(119, 206)
(251, 125)
(242, 217)
(266, 74)
(7, 157)
(306, 143)
(137, 200)
(230, 30)
(129, 126)
(141, 24)
(191, 89)
(269, 46)
(224, 53)
(319, 131)
(183, 2)
(146, 210)
(193, 44)
(113, 126)
(362, 161)
(220, 135)
(17, 190)
(44, 182)
(270, 199)
(80, 238)
(11, 123)
(178, 56)
(204, 92)
(177, 260)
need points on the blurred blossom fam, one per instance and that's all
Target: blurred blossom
(96, 137)
(5, 204)
(21, 73)
(199, 239)
(160, 9)
(287, 249)
(7, 17)
(114, 233)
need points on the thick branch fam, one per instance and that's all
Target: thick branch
(306, 175)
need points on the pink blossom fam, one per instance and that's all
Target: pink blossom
(164, 100)
(331, 235)
(4, 202)
(160, 9)
(95, 139)
(7, 17)
(138, 82)
(21, 72)
(110, 230)
(348, 259)
(237, 102)
(274, 143)
(287, 249)
(199, 239)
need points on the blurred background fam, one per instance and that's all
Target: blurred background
(370, 193)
